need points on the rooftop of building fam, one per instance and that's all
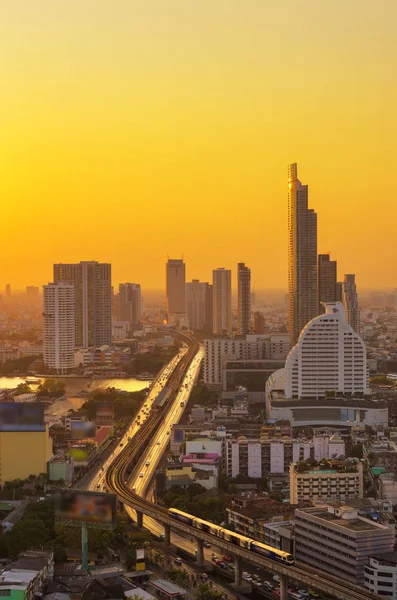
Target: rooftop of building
(278, 399)
(388, 558)
(355, 523)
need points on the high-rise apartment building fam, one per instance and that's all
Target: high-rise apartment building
(175, 290)
(93, 299)
(209, 308)
(302, 256)
(350, 302)
(259, 323)
(130, 303)
(244, 299)
(196, 300)
(222, 301)
(327, 281)
(329, 357)
(59, 326)
(274, 347)
(8, 289)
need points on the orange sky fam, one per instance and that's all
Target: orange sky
(135, 129)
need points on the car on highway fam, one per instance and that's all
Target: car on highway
(147, 463)
(227, 558)
(158, 443)
(206, 545)
(178, 561)
(247, 576)
(140, 474)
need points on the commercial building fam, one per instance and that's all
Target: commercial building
(197, 312)
(24, 453)
(350, 302)
(302, 256)
(130, 303)
(333, 410)
(243, 299)
(329, 356)
(254, 347)
(343, 482)
(327, 281)
(175, 290)
(222, 301)
(59, 326)
(92, 297)
(380, 575)
(263, 457)
(336, 540)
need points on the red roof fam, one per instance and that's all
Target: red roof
(102, 434)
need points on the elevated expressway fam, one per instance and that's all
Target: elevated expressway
(131, 489)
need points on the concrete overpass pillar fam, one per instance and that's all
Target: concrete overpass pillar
(200, 552)
(237, 571)
(283, 587)
(167, 534)
(139, 520)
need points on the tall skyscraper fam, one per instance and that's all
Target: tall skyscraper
(327, 284)
(259, 323)
(209, 311)
(196, 299)
(93, 300)
(302, 256)
(222, 301)
(8, 289)
(329, 357)
(244, 299)
(175, 290)
(130, 303)
(350, 302)
(59, 326)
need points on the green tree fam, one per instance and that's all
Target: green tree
(204, 592)
(357, 451)
(51, 388)
(177, 576)
(23, 388)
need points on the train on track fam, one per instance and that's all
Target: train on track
(234, 538)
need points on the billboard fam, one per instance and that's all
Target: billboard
(86, 507)
(104, 409)
(81, 430)
(21, 417)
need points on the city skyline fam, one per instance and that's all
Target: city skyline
(173, 144)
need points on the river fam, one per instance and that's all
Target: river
(74, 385)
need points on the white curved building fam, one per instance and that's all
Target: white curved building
(328, 357)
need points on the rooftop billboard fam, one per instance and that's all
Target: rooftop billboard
(21, 417)
(86, 507)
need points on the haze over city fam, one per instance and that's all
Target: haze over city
(132, 131)
(198, 300)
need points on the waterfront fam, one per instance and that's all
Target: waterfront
(74, 385)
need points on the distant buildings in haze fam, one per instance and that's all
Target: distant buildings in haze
(130, 303)
(175, 291)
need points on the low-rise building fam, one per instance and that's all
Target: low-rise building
(380, 576)
(61, 468)
(25, 398)
(335, 539)
(342, 482)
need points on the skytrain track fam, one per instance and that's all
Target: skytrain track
(116, 482)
